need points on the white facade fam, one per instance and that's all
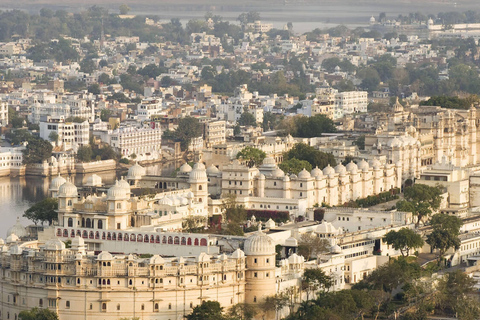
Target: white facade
(131, 140)
(3, 114)
(148, 108)
(71, 135)
(350, 102)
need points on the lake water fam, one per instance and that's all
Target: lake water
(19, 193)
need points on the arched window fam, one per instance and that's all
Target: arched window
(169, 306)
(104, 282)
(114, 236)
(170, 240)
(126, 237)
(203, 242)
(70, 222)
(200, 187)
(152, 239)
(196, 242)
(184, 241)
(120, 237)
(88, 223)
(130, 282)
(91, 235)
(164, 239)
(156, 307)
(143, 307)
(157, 239)
(109, 236)
(97, 235)
(72, 234)
(65, 233)
(103, 235)
(104, 306)
(139, 238)
(189, 241)
(118, 307)
(85, 234)
(177, 240)
(132, 237)
(67, 304)
(59, 232)
(145, 239)
(108, 280)
(100, 224)
(79, 233)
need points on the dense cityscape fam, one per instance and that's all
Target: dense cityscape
(331, 174)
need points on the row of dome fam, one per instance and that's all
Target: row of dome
(175, 200)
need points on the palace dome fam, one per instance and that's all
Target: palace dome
(278, 173)
(136, 171)
(54, 245)
(212, 170)
(340, 169)
(68, 189)
(198, 174)
(185, 168)
(116, 192)
(259, 244)
(304, 174)
(17, 229)
(328, 170)
(57, 182)
(363, 165)
(316, 172)
(351, 167)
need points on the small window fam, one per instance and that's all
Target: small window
(118, 307)
(104, 306)
(169, 306)
(67, 304)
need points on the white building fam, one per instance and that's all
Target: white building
(350, 102)
(148, 108)
(143, 142)
(3, 114)
(71, 135)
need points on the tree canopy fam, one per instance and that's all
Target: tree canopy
(208, 310)
(421, 200)
(294, 166)
(37, 151)
(43, 211)
(316, 158)
(38, 314)
(404, 240)
(445, 232)
(252, 156)
(188, 128)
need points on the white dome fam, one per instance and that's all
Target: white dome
(105, 256)
(212, 170)
(136, 171)
(259, 244)
(78, 242)
(57, 182)
(54, 245)
(351, 167)
(376, 164)
(124, 184)
(184, 201)
(2, 242)
(12, 238)
(278, 173)
(237, 254)
(116, 192)
(394, 143)
(268, 162)
(156, 259)
(316, 172)
(291, 242)
(165, 201)
(336, 249)
(363, 165)
(372, 19)
(328, 170)
(17, 229)
(296, 259)
(270, 224)
(286, 178)
(190, 195)
(326, 227)
(94, 181)
(340, 169)
(304, 174)
(185, 168)
(198, 174)
(68, 189)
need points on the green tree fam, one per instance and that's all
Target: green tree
(315, 279)
(421, 200)
(404, 240)
(94, 88)
(316, 158)
(188, 128)
(445, 232)
(453, 291)
(241, 311)
(252, 156)
(124, 9)
(53, 136)
(294, 166)
(247, 119)
(37, 151)
(43, 211)
(105, 114)
(310, 245)
(84, 153)
(360, 142)
(87, 66)
(208, 310)
(37, 314)
(309, 127)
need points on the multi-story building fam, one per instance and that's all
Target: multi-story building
(148, 108)
(215, 133)
(70, 135)
(350, 102)
(143, 142)
(11, 160)
(3, 114)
